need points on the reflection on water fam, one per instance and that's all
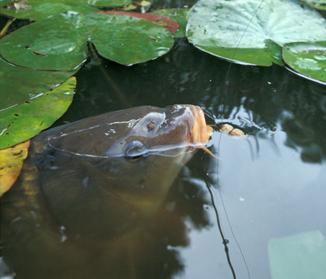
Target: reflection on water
(266, 186)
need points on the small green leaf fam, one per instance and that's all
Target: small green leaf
(317, 4)
(307, 59)
(27, 119)
(250, 31)
(178, 15)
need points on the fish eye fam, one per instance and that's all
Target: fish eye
(135, 149)
(151, 125)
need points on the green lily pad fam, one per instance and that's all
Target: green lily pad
(40, 9)
(178, 15)
(54, 44)
(317, 4)
(109, 3)
(20, 84)
(242, 30)
(25, 120)
(122, 38)
(308, 59)
(60, 42)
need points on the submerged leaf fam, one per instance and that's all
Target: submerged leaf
(11, 162)
(242, 30)
(308, 59)
(27, 119)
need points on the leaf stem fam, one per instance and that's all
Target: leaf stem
(6, 27)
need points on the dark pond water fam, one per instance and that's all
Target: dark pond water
(256, 212)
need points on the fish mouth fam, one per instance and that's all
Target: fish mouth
(200, 132)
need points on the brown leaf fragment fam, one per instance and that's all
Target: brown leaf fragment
(11, 162)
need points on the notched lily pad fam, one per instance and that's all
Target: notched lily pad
(25, 120)
(308, 59)
(11, 162)
(60, 43)
(248, 31)
(127, 40)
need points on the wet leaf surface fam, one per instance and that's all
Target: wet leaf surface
(58, 40)
(242, 31)
(19, 84)
(178, 15)
(109, 3)
(11, 162)
(25, 120)
(159, 19)
(38, 9)
(125, 41)
(55, 44)
(308, 59)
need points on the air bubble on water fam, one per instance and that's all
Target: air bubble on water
(206, 207)
(62, 231)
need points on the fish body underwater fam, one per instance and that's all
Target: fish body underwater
(88, 188)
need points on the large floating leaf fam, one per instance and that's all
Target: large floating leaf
(242, 30)
(308, 59)
(11, 162)
(317, 4)
(127, 40)
(18, 84)
(54, 44)
(27, 119)
(60, 42)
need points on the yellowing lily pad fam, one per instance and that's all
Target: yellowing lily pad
(11, 162)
